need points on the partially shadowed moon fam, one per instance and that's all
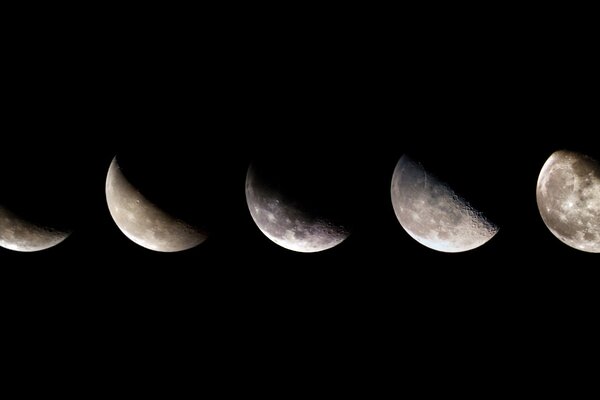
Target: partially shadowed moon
(568, 197)
(20, 234)
(288, 222)
(433, 214)
(144, 222)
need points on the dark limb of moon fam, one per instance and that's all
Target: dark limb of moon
(19, 234)
(568, 198)
(287, 222)
(433, 214)
(142, 221)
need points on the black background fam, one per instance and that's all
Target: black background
(486, 107)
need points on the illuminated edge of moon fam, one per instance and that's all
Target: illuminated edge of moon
(45, 236)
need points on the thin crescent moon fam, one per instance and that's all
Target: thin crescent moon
(142, 221)
(433, 214)
(19, 234)
(288, 225)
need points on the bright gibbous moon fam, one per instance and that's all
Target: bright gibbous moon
(142, 221)
(568, 197)
(21, 235)
(288, 224)
(432, 214)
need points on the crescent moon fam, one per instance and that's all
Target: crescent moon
(142, 221)
(568, 198)
(288, 224)
(19, 234)
(433, 214)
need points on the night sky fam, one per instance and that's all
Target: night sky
(191, 115)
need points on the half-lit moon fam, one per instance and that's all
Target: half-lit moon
(18, 234)
(433, 214)
(568, 197)
(144, 222)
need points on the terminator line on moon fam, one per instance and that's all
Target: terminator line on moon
(432, 214)
(21, 235)
(568, 198)
(142, 221)
(288, 224)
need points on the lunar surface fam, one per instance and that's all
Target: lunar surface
(21, 235)
(286, 222)
(568, 197)
(433, 214)
(142, 221)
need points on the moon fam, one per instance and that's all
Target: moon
(568, 198)
(433, 214)
(19, 234)
(288, 223)
(142, 221)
